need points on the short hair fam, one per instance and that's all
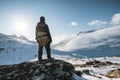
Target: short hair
(42, 19)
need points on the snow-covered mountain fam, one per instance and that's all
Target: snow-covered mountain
(15, 49)
(105, 42)
(95, 43)
(74, 49)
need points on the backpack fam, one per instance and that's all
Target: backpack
(42, 38)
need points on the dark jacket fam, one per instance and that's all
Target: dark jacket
(41, 26)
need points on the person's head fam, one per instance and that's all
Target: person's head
(42, 19)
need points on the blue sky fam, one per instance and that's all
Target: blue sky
(62, 16)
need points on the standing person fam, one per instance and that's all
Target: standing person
(43, 38)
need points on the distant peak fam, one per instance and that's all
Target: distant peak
(14, 35)
(22, 37)
(89, 31)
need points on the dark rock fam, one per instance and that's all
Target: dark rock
(86, 72)
(109, 63)
(2, 49)
(79, 73)
(92, 62)
(68, 67)
(89, 63)
(46, 70)
(96, 63)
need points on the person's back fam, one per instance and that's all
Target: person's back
(43, 38)
(41, 27)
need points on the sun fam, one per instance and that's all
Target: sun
(20, 24)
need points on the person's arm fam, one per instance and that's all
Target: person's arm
(49, 35)
(36, 31)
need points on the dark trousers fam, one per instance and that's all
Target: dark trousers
(40, 51)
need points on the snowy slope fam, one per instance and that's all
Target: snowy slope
(95, 43)
(105, 42)
(97, 73)
(15, 49)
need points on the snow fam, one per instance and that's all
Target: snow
(16, 50)
(114, 59)
(102, 45)
(91, 43)
(76, 77)
(91, 40)
(97, 71)
(62, 37)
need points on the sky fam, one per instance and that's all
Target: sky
(62, 16)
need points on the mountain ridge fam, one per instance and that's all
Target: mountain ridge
(100, 43)
(105, 42)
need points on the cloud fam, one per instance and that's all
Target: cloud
(73, 23)
(115, 19)
(97, 22)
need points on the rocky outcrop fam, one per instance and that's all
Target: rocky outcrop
(46, 70)
(113, 73)
(95, 63)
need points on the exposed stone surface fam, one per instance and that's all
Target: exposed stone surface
(46, 70)
(113, 73)
(96, 63)
(79, 73)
